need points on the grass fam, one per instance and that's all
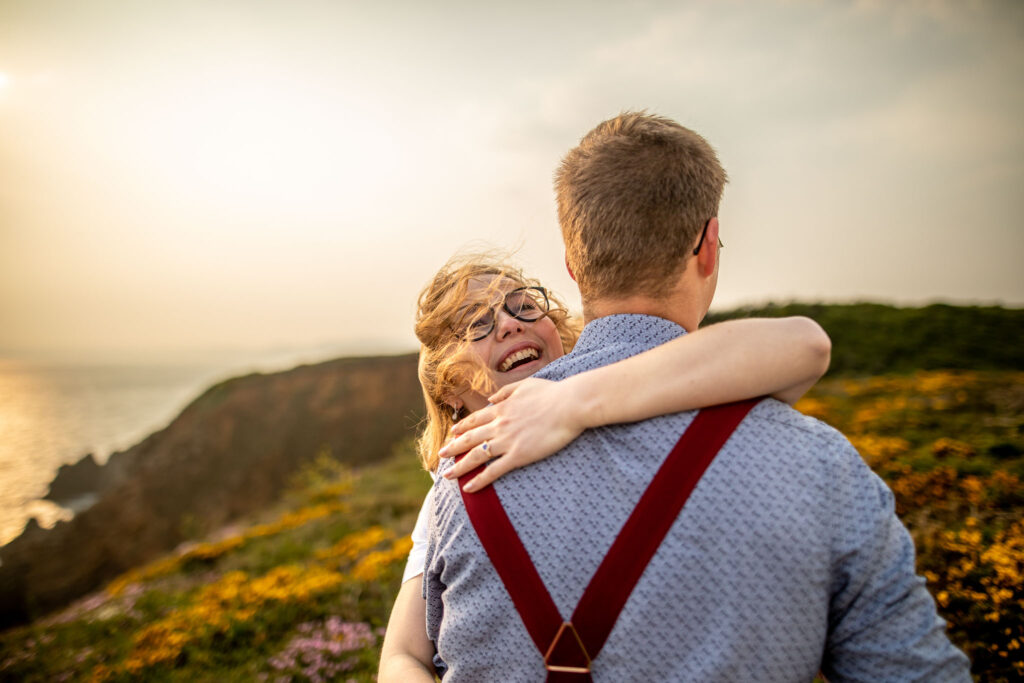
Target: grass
(303, 592)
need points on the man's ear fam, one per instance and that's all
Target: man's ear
(707, 257)
(569, 268)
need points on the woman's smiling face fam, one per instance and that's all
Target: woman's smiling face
(514, 349)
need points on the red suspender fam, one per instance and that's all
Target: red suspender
(570, 646)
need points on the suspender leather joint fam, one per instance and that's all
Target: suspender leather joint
(564, 640)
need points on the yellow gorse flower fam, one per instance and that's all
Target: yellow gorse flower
(369, 568)
(351, 547)
(211, 551)
(233, 599)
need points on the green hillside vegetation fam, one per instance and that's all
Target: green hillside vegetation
(300, 593)
(870, 339)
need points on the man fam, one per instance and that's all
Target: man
(787, 558)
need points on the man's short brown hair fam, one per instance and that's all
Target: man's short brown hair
(633, 197)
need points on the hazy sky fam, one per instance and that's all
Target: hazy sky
(234, 173)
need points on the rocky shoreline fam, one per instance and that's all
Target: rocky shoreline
(82, 479)
(230, 452)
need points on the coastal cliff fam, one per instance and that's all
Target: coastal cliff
(229, 453)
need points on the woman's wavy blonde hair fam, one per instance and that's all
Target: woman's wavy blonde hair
(447, 367)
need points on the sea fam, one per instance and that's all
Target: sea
(54, 411)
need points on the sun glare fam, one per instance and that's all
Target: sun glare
(4, 80)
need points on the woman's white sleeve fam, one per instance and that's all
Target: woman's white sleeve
(418, 555)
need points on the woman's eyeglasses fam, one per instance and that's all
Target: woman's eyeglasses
(528, 304)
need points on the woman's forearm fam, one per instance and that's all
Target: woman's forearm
(407, 653)
(729, 361)
(738, 359)
(403, 668)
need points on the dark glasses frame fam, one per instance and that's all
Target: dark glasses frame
(703, 234)
(518, 316)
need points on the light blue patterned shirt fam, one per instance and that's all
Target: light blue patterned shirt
(788, 557)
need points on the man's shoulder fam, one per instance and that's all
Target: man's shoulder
(443, 488)
(779, 424)
(446, 506)
(774, 414)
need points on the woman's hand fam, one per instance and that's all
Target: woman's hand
(528, 421)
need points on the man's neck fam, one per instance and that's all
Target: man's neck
(683, 311)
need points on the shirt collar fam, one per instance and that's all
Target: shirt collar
(610, 339)
(632, 329)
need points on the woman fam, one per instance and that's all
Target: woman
(484, 329)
